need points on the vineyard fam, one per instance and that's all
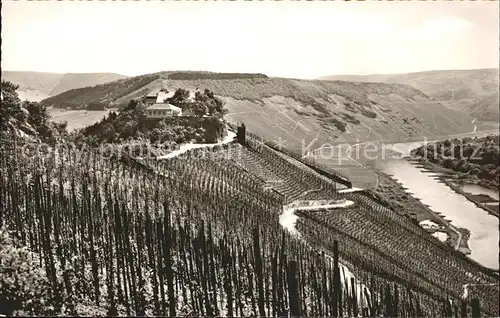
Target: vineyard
(291, 181)
(200, 235)
(378, 244)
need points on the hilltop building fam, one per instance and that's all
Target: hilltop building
(158, 107)
(150, 99)
(163, 110)
(158, 97)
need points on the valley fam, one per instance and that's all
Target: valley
(290, 204)
(250, 159)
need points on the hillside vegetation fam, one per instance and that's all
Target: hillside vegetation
(297, 110)
(132, 124)
(211, 75)
(474, 92)
(27, 119)
(35, 86)
(479, 157)
(80, 98)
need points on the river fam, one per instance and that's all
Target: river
(483, 227)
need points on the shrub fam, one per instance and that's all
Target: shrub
(337, 123)
(350, 107)
(320, 108)
(449, 163)
(349, 118)
(368, 113)
(23, 286)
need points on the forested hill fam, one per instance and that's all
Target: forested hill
(477, 157)
(292, 109)
(474, 92)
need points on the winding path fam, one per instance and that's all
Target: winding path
(190, 146)
(288, 219)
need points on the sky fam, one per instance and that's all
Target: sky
(284, 39)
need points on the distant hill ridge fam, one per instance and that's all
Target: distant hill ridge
(474, 92)
(35, 86)
(212, 75)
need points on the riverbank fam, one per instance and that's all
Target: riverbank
(394, 195)
(456, 180)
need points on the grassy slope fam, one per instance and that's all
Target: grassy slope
(487, 108)
(468, 91)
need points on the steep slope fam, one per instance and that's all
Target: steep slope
(462, 90)
(35, 86)
(298, 111)
(486, 108)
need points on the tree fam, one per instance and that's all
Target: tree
(12, 115)
(214, 105)
(449, 163)
(132, 105)
(180, 98)
(38, 114)
(23, 286)
(485, 171)
(490, 156)
(30, 117)
(198, 108)
(460, 163)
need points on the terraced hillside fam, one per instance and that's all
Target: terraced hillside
(377, 238)
(474, 92)
(292, 181)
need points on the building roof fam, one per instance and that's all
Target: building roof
(159, 106)
(162, 96)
